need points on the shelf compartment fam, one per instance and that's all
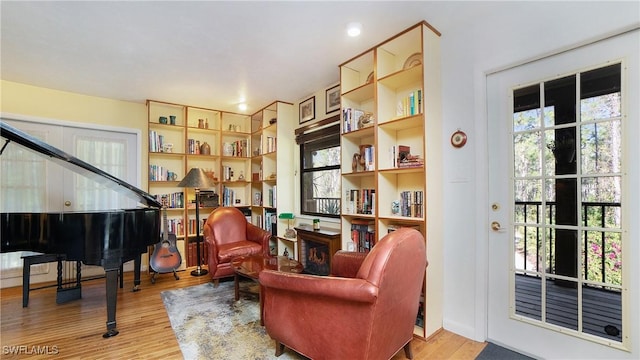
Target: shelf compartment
(392, 186)
(402, 77)
(210, 117)
(156, 109)
(392, 55)
(356, 72)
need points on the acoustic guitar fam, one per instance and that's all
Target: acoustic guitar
(166, 257)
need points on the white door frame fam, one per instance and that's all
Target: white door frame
(485, 214)
(13, 276)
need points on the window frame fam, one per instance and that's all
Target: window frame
(329, 134)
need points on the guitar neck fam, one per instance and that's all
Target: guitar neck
(165, 233)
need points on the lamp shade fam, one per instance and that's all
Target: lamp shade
(196, 178)
(286, 216)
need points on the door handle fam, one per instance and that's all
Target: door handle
(495, 226)
(67, 203)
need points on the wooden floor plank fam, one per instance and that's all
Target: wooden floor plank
(74, 330)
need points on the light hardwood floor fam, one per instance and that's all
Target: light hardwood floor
(74, 330)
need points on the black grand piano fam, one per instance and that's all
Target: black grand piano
(104, 238)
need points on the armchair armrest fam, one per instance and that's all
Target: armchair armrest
(260, 236)
(346, 263)
(321, 286)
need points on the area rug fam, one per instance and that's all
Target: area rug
(209, 324)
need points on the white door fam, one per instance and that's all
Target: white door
(547, 159)
(31, 183)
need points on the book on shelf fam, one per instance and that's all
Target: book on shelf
(411, 203)
(410, 105)
(228, 196)
(271, 144)
(360, 201)
(363, 234)
(174, 200)
(238, 148)
(369, 158)
(155, 141)
(355, 119)
(271, 222)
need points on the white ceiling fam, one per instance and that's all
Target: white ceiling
(205, 53)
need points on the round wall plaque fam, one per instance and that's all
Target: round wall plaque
(458, 139)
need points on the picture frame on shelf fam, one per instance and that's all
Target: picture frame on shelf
(308, 110)
(332, 99)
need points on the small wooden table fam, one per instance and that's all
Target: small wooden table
(251, 266)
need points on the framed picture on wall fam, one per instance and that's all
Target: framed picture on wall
(332, 99)
(308, 110)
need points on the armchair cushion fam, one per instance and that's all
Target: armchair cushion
(226, 252)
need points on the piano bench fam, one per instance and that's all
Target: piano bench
(63, 294)
(34, 258)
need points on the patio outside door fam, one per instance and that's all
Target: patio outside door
(563, 196)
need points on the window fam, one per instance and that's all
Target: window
(320, 171)
(568, 212)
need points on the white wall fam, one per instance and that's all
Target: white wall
(508, 33)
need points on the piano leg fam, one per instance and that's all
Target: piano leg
(112, 297)
(137, 262)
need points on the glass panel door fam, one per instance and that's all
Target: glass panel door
(567, 154)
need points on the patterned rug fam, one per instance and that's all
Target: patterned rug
(209, 324)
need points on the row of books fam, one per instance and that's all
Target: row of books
(360, 201)
(271, 199)
(176, 226)
(192, 224)
(271, 222)
(363, 234)
(155, 141)
(271, 144)
(161, 173)
(228, 196)
(193, 146)
(411, 203)
(192, 253)
(368, 155)
(239, 148)
(410, 105)
(352, 119)
(172, 200)
(227, 173)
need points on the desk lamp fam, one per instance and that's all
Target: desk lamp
(289, 233)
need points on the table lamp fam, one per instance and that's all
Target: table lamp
(289, 233)
(197, 178)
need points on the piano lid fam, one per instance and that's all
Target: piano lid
(74, 164)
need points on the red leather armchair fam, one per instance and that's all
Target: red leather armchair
(365, 310)
(228, 235)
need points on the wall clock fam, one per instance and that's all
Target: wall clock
(458, 139)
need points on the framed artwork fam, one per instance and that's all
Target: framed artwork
(332, 99)
(308, 110)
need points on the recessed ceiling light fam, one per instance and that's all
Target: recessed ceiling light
(354, 29)
(242, 107)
